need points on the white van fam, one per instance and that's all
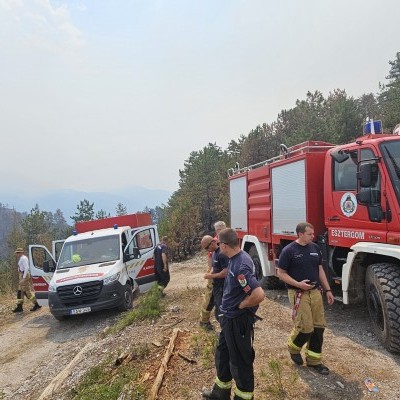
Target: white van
(96, 269)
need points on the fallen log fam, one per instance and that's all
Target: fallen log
(59, 379)
(163, 367)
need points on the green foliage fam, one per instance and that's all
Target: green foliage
(103, 383)
(101, 214)
(149, 307)
(36, 227)
(203, 345)
(85, 211)
(121, 209)
(200, 200)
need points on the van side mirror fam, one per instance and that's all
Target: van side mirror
(48, 266)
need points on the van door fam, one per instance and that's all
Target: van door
(42, 266)
(141, 268)
(56, 248)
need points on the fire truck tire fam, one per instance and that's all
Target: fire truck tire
(128, 298)
(383, 301)
(257, 265)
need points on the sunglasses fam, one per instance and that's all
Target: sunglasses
(209, 244)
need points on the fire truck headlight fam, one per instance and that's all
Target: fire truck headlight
(111, 279)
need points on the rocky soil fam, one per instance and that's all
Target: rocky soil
(35, 348)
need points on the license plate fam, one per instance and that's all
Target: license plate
(80, 310)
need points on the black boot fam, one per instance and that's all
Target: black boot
(217, 393)
(18, 308)
(36, 306)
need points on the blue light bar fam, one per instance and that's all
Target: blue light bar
(372, 126)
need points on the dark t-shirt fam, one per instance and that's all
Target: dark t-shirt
(158, 252)
(239, 283)
(219, 262)
(301, 262)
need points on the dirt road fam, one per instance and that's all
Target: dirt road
(34, 348)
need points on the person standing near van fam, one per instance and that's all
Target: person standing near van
(24, 282)
(161, 263)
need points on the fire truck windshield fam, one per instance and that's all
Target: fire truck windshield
(89, 251)
(391, 155)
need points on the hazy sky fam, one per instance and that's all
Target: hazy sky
(97, 95)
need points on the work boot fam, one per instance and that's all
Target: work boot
(207, 326)
(18, 308)
(320, 368)
(297, 358)
(36, 307)
(217, 393)
(236, 397)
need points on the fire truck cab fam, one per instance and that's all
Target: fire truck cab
(351, 195)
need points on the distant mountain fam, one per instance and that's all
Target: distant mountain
(133, 198)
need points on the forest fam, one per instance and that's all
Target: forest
(202, 196)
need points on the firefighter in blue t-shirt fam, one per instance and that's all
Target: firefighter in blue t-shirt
(300, 267)
(161, 263)
(234, 356)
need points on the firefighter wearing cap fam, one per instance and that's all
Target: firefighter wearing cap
(209, 302)
(24, 282)
(218, 272)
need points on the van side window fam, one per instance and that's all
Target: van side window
(144, 239)
(345, 173)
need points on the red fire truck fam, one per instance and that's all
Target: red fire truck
(351, 194)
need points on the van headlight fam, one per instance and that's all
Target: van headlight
(111, 279)
(52, 288)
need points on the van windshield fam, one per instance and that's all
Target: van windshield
(90, 251)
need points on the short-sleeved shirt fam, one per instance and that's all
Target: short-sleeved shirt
(301, 262)
(240, 281)
(160, 249)
(23, 265)
(219, 262)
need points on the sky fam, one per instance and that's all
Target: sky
(98, 95)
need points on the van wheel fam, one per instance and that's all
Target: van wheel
(127, 298)
(60, 317)
(382, 284)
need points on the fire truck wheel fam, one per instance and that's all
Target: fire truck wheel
(257, 265)
(128, 298)
(383, 301)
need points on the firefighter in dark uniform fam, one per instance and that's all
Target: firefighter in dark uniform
(300, 267)
(161, 264)
(218, 272)
(242, 294)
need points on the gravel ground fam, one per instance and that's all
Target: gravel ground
(34, 348)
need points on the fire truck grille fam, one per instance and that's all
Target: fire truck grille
(79, 294)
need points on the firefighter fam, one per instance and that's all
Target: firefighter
(24, 282)
(161, 264)
(208, 301)
(300, 267)
(234, 356)
(218, 273)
